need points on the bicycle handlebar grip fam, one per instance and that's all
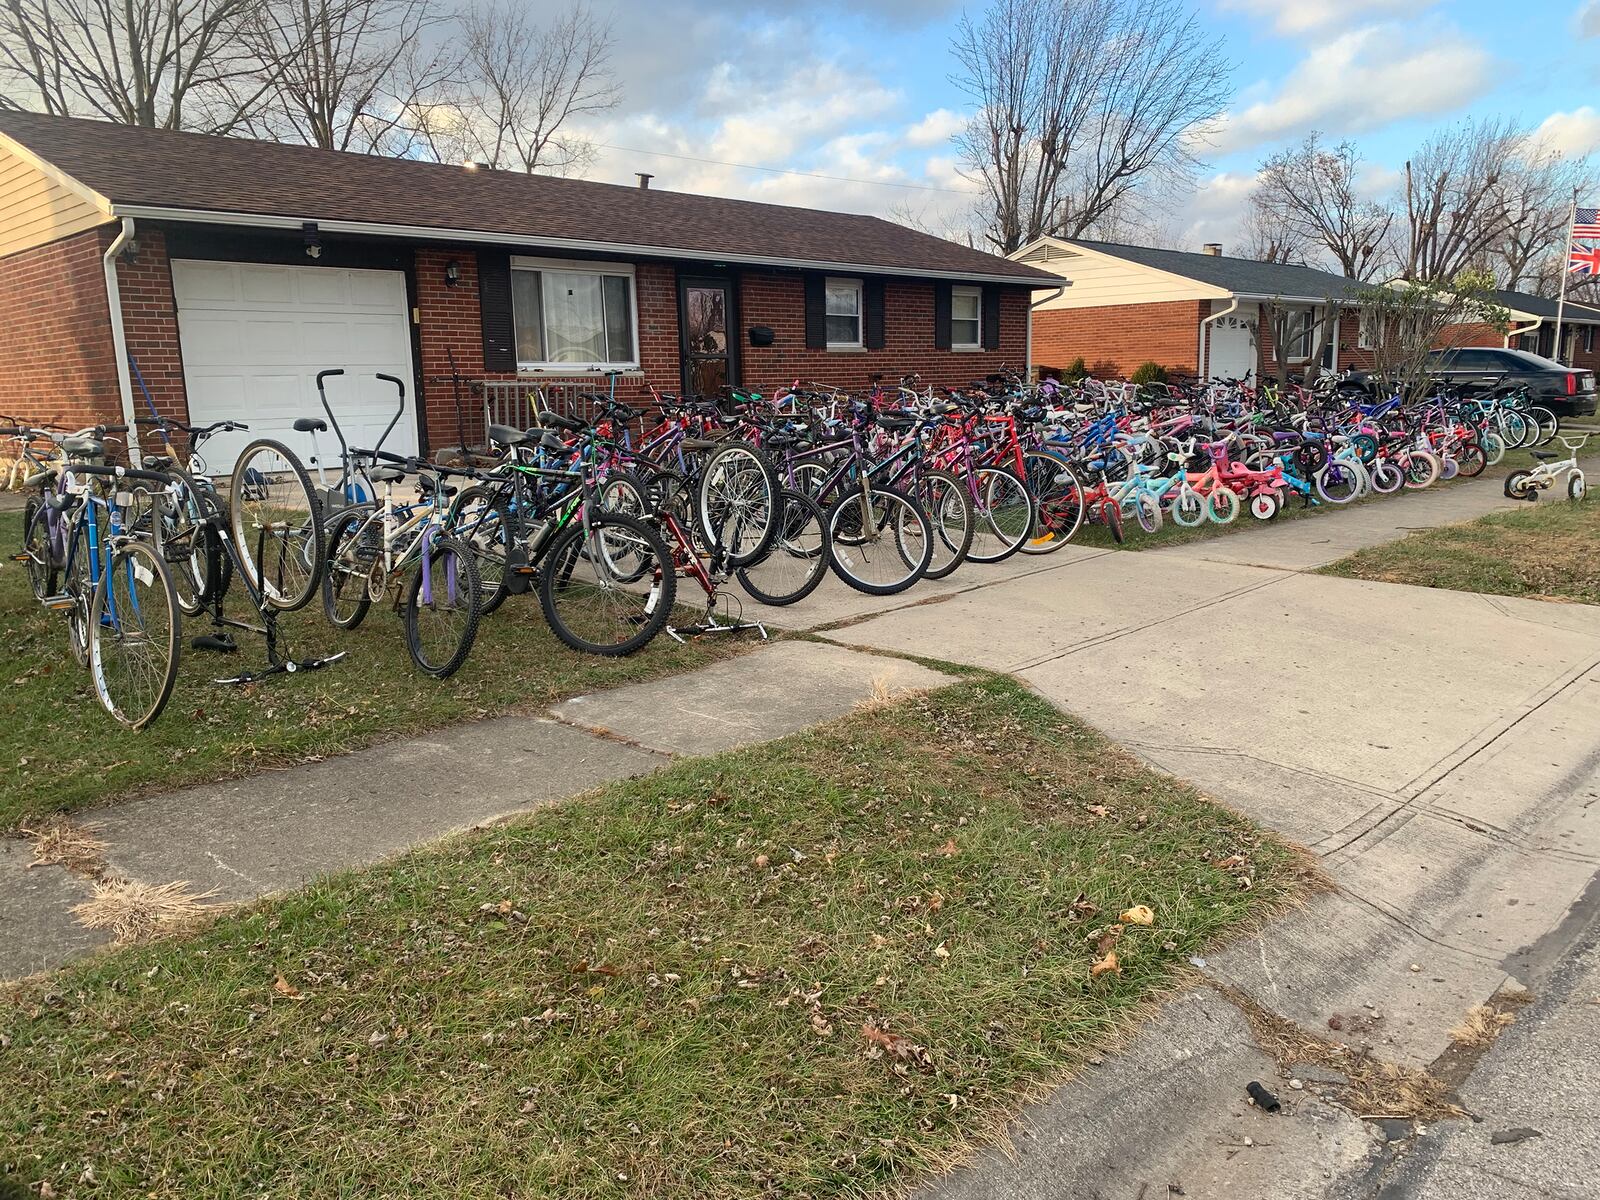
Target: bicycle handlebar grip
(391, 379)
(331, 371)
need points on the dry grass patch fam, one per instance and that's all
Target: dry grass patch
(138, 912)
(59, 842)
(1481, 1026)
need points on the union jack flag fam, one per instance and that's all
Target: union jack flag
(1584, 260)
(1585, 224)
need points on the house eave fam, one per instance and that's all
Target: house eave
(490, 237)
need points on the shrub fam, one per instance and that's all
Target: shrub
(1077, 372)
(1149, 372)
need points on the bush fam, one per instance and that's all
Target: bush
(1077, 372)
(1149, 372)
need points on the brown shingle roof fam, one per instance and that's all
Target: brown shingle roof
(153, 168)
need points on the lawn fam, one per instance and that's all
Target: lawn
(1549, 550)
(824, 966)
(60, 749)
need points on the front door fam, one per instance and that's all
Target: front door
(706, 321)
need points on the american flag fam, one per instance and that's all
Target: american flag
(1585, 224)
(1584, 260)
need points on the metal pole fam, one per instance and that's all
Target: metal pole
(1566, 272)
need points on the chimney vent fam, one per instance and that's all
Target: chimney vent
(1212, 248)
(644, 178)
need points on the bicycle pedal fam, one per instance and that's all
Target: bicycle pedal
(58, 603)
(21, 558)
(220, 643)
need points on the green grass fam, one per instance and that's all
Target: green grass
(1549, 550)
(660, 989)
(60, 750)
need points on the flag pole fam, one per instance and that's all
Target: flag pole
(1566, 273)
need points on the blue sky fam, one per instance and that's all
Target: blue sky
(860, 91)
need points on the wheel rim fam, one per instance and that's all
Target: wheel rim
(274, 526)
(133, 636)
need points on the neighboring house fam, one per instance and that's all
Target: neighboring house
(1198, 313)
(1533, 328)
(231, 271)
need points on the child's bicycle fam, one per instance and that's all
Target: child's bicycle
(1526, 485)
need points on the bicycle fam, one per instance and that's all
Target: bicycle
(1526, 485)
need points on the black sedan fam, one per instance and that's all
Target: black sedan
(1565, 391)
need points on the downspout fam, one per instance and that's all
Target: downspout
(1505, 342)
(1201, 365)
(119, 337)
(1028, 368)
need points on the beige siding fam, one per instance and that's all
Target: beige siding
(1099, 280)
(36, 208)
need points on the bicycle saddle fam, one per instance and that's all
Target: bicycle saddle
(507, 436)
(386, 474)
(1544, 455)
(84, 447)
(310, 425)
(695, 444)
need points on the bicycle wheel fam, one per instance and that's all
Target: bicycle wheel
(737, 499)
(1549, 424)
(1147, 511)
(441, 607)
(1385, 477)
(796, 561)
(1188, 508)
(1002, 515)
(624, 493)
(1421, 470)
(355, 549)
(949, 510)
(1058, 501)
(77, 583)
(190, 545)
(1222, 505)
(587, 606)
(481, 520)
(1111, 518)
(133, 635)
(42, 567)
(277, 525)
(885, 553)
(1337, 482)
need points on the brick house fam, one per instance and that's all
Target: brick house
(227, 272)
(1533, 328)
(1193, 313)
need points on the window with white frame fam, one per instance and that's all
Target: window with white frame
(843, 314)
(1302, 322)
(1588, 339)
(570, 314)
(966, 318)
(1367, 330)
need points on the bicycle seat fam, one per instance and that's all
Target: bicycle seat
(310, 425)
(156, 462)
(84, 447)
(896, 423)
(427, 485)
(508, 436)
(697, 444)
(1543, 455)
(386, 474)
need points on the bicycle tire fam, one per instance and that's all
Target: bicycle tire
(461, 591)
(949, 510)
(1003, 521)
(1188, 509)
(201, 570)
(736, 496)
(562, 561)
(845, 556)
(480, 517)
(1058, 501)
(1422, 470)
(138, 696)
(1222, 505)
(345, 601)
(276, 497)
(767, 580)
(43, 571)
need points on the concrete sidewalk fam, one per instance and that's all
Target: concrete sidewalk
(249, 837)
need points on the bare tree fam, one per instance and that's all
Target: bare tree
(1456, 203)
(1536, 191)
(169, 64)
(342, 74)
(1078, 103)
(1268, 236)
(1407, 319)
(1311, 192)
(521, 86)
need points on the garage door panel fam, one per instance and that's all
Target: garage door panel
(254, 337)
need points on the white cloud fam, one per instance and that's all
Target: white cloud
(1359, 81)
(1589, 19)
(1575, 134)
(938, 127)
(1295, 18)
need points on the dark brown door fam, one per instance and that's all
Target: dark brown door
(708, 326)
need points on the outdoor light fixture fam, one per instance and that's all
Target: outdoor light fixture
(130, 252)
(313, 242)
(452, 273)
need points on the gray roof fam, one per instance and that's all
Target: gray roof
(1545, 308)
(1241, 276)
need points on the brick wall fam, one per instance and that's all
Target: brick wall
(57, 365)
(778, 300)
(1114, 339)
(150, 324)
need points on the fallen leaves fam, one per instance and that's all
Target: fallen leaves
(883, 1044)
(1105, 966)
(1139, 914)
(949, 849)
(286, 989)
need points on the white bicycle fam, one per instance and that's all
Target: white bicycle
(1526, 485)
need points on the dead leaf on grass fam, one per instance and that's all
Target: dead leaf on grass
(1139, 914)
(1105, 966)
(284, 988)
(949, 849)
(1109, 937)
(892, 1045)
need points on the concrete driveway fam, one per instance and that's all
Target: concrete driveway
(1439, 751)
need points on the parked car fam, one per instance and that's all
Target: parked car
(1565, 391)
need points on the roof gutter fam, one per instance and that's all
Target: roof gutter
(1201, 363)
(486, 236)
(119, 337)
(1517, 331)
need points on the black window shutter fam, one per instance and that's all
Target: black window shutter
(494, 301)
(816, 312)
(941, 316)
(991, 318)
(872, 300)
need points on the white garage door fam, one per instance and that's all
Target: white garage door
(255, 336)
(1233, 342)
